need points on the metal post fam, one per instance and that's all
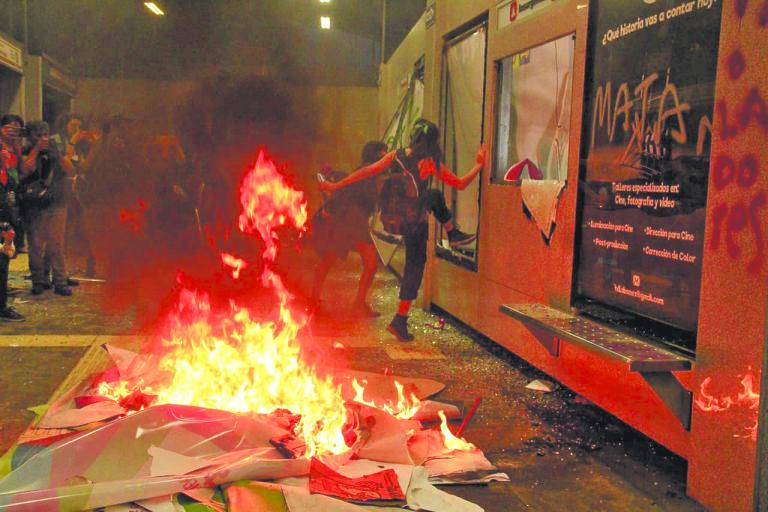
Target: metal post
(761, 470)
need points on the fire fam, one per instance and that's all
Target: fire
(748, 398)
(234, 363)
(449, 440)
(236, 264)
(405, 408)
(247, 366)
(228, 360)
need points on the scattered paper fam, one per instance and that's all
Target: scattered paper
(388, 436)
(97, 411)
(457, 462)
(541, 385)
(256, 496)
(428, 410)
(423, 495)
(165, 462)
(470, 477)
(39, 410)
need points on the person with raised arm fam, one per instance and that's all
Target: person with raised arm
(413, 195)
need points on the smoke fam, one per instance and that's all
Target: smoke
(166, 204)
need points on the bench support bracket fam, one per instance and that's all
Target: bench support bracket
(678, 399)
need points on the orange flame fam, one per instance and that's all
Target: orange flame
(237, 364)
(748, 398)
(449, 440)
(405, 408)
(236, 264)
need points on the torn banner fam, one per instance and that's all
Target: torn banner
(540, 197)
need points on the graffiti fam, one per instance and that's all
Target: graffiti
(739, 223)
(736, 65)
(762, 19)
(669, 106)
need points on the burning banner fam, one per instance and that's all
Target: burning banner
(225, 396)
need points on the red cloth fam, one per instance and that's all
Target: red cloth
(381, 486)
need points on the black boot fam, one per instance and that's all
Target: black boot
(399, 328)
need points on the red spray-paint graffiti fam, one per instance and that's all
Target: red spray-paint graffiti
(738, 222)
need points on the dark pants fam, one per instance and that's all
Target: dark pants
(4, 262)
(46, 245)
(416, 243)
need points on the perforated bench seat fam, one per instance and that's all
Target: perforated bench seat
(654, 363)
(641, 355)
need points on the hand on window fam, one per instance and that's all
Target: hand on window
(480, 158)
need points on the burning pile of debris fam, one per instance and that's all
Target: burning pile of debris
(222, 410)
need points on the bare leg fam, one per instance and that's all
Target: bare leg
(370, 263)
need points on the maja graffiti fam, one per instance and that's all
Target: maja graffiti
(633, 111)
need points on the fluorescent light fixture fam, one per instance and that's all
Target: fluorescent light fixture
(152, 6)
(325, 1)
(325, 22)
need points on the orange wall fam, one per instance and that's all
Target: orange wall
(735, 274)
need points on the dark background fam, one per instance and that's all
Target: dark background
(121, 39)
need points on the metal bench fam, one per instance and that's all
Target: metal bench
(654, 363)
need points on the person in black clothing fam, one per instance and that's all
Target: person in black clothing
(341, 225)
(8, 185)
(43, 186)
(420, 161)
(11, 137)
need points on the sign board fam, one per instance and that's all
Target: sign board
(11, 55)
(512, 11)
(646, 146)
(429, 15)
(57, 78)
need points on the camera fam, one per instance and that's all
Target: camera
(22, 132)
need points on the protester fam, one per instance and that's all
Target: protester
(78, 149)
(11, 136)
(341, 225)
(420, 162)
(9, 163)
(43, 186)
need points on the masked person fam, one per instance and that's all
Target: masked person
(9, 164)
(43, 186)
(341, 225)
(417, 164)
(11, 137)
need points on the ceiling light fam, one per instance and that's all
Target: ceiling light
(154, 8)
(325, 22)
(325, 1)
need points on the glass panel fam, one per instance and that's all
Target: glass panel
(646, 154)
(534, 111)
(462, 136)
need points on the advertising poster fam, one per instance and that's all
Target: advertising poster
(646, 138)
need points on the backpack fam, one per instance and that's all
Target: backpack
(399, 201)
